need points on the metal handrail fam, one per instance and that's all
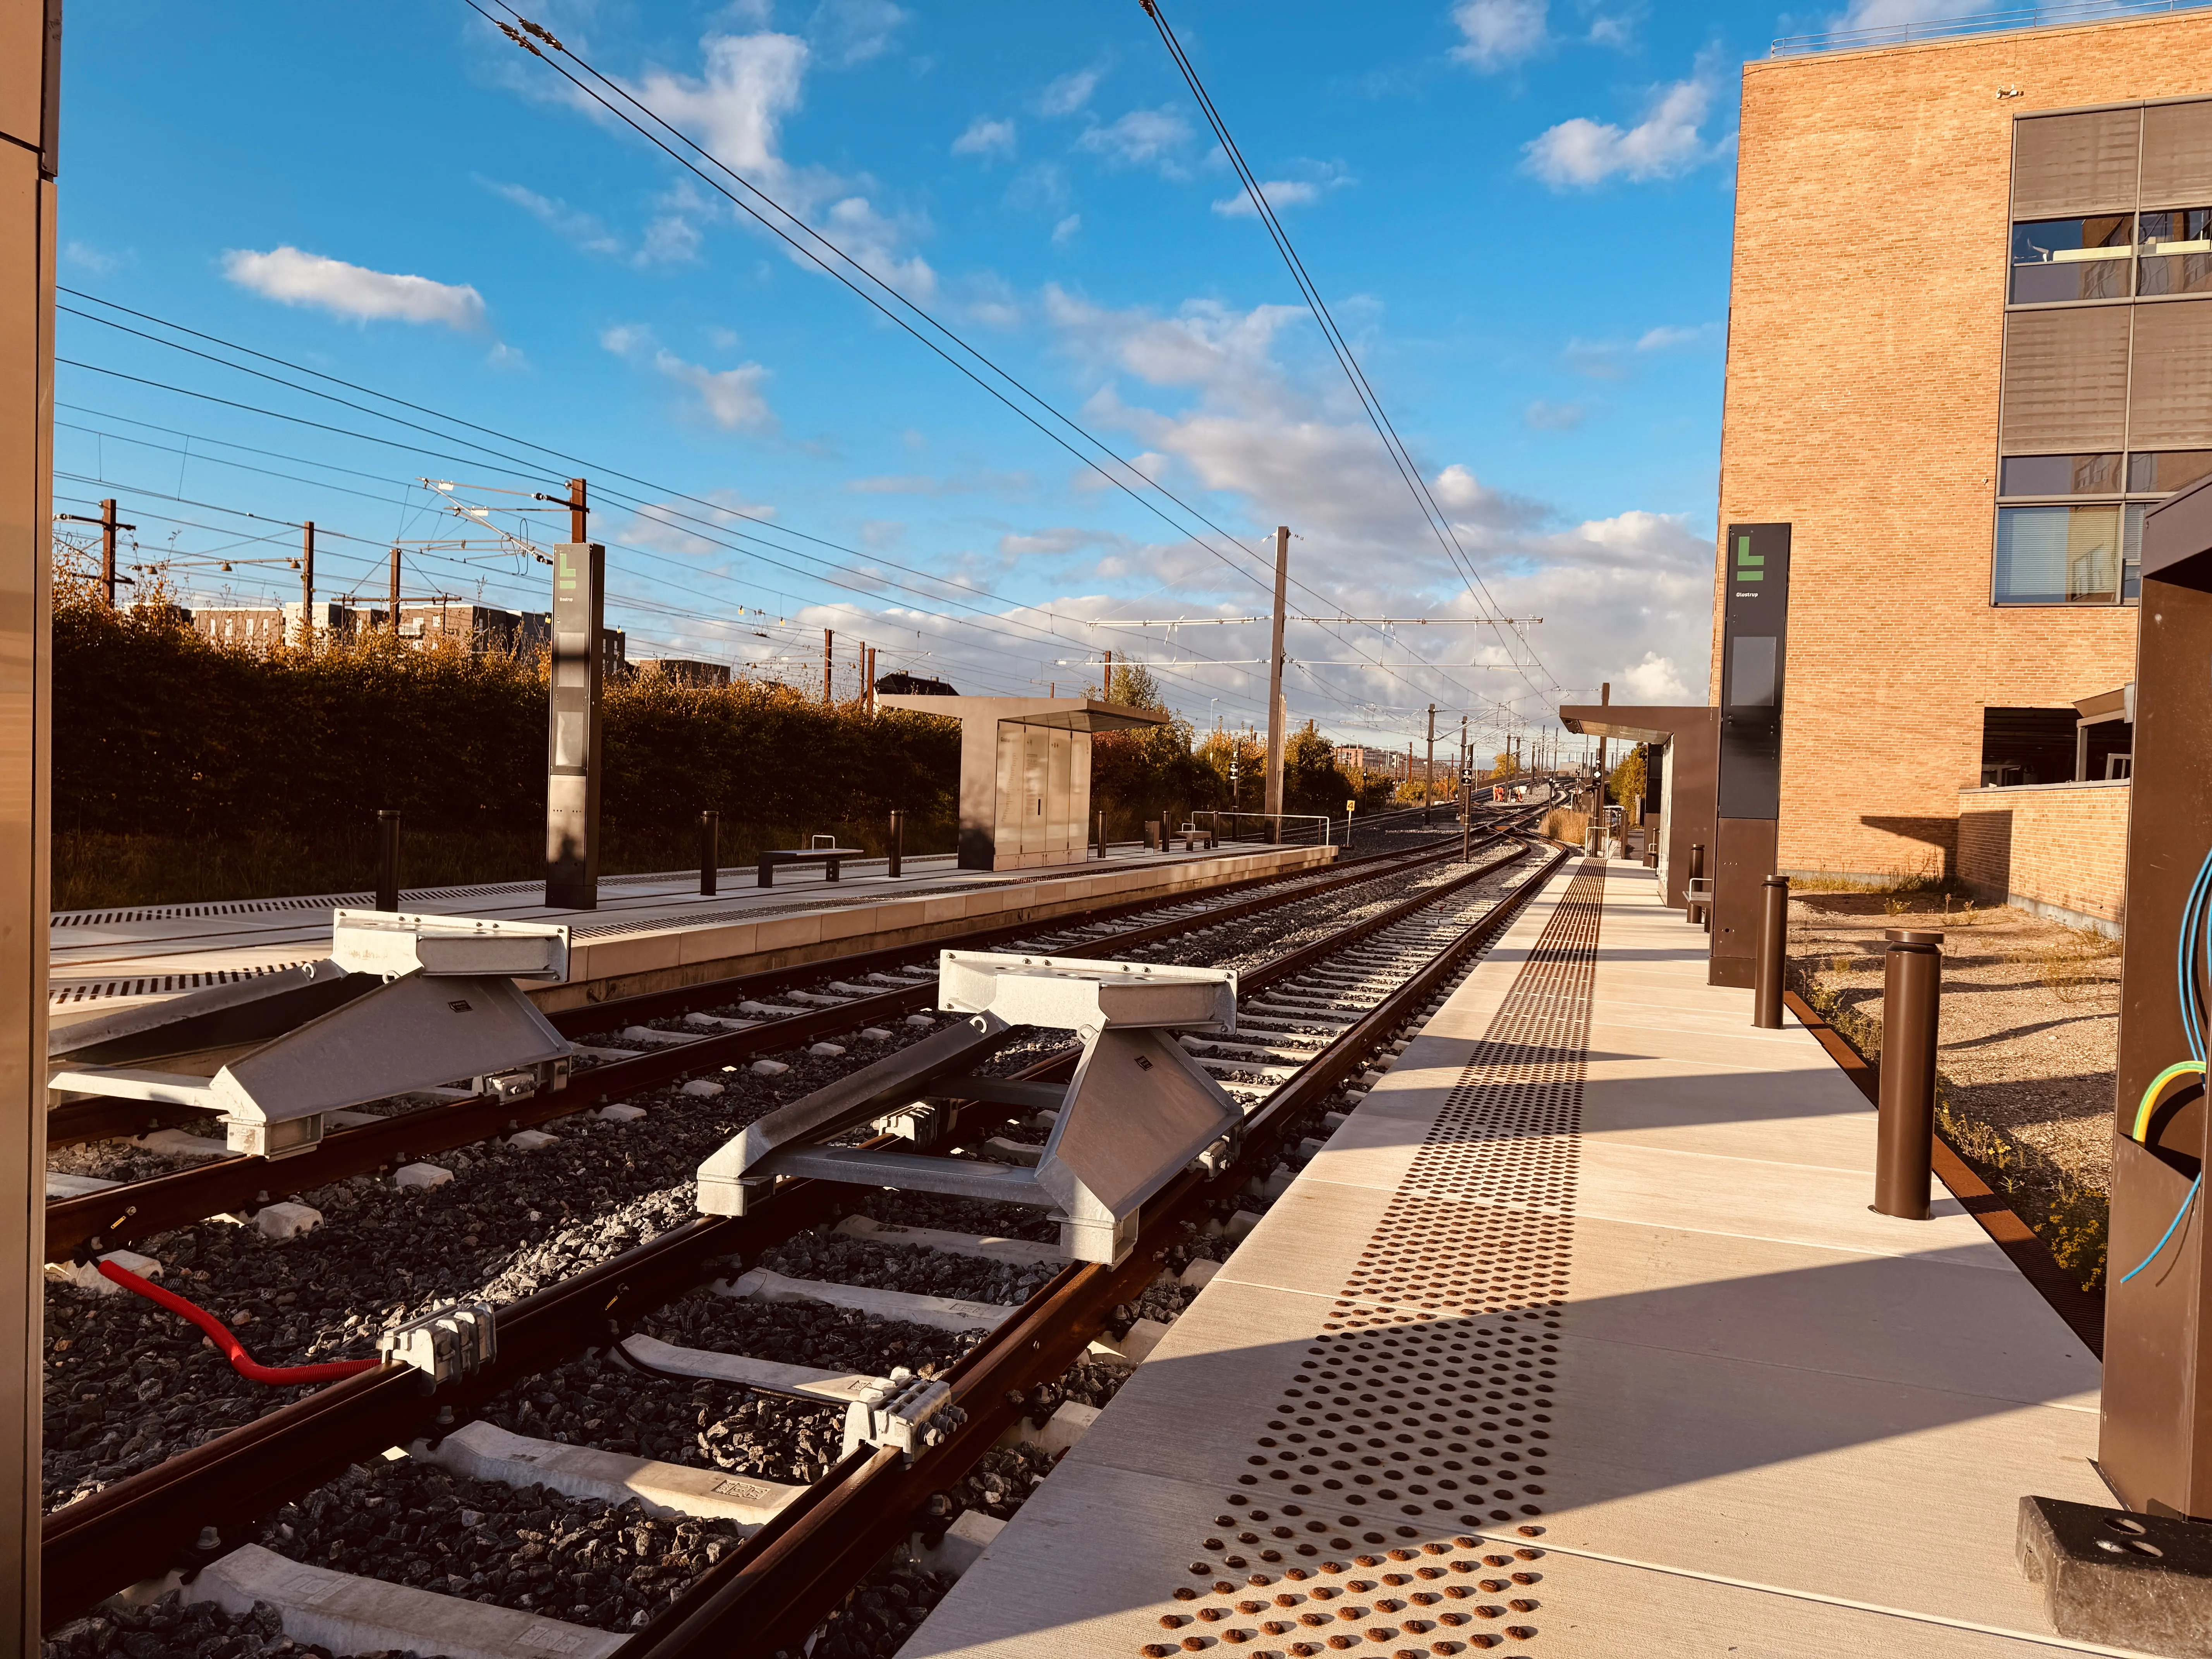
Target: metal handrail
(1936, 28)
(1327, 825)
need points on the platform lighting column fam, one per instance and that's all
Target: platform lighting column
(30, 114)
(1276, 735)
(572, 738)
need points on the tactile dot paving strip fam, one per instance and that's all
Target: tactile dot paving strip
(1426, 1407)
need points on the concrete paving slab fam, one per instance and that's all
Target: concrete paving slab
(1753, 1417)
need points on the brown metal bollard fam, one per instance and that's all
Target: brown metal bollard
(897, 845)
(710, 852)
(1911, 984)
(388, 859)
(1773, 954)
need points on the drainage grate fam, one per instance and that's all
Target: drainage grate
(159, 985)
(1427, 1405)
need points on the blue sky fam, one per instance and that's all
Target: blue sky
(1519, 215)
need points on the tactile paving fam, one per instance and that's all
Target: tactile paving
(1427, 1405)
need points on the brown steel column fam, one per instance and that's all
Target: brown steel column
(1911, 983)
(395, 590)
(388, 859)
(307, 583)
(30, 117)
(710, 853)
(827, 642)
(1276, 735)
(1773, 954)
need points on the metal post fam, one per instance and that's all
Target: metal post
(827, 641)
(710, 853)
(1698, 912)
(108, 527)
(387, 858)
(1276, 735)
(1106, 685)
(30, 117)
(572, 780)
(1429, 777)
(1102, 833)
(868, 681)
(1912, 978)
(898, 845)
(395, 591)
(1773, 954)
(307, 583)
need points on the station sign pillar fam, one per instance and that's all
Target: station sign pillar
(572, 758)
(1754, 641)
(2155, 1440)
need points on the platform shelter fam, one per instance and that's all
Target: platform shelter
(1025, 772)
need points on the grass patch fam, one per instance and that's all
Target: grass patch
(1562, 824)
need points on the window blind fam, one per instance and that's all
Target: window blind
(2067, 164)
(2066, 379)
(2170, 395)
(2177, 155)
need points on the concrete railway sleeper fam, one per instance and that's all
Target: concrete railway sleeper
(111, 1216)
(144, 1522)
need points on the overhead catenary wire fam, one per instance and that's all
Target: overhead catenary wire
(529, 31)
(1439, 521)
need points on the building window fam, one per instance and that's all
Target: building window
(2058, 555)
(2028, 745)
(2163, 473)
(2060, 475)
(2176, 252)
(2057, 259)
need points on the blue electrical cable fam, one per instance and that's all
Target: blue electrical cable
(2188, 1199)
(2196, 920)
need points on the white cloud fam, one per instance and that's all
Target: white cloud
(1581, 153)
(985, 136)
(1554, 418)
(1069, 93)
(1143, 137)
(1324, 178)
(1620, 31)
(295, 278)
(1656, 680)
(731, 397)
(677, 526)
(1497, 32)
(735, 110)
(1064, 232)
(1880, 14)
(98, 261)
(576, 226)
(854, 31)
(1658, 339)
(922, 484)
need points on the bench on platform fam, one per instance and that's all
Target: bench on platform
(831, 856)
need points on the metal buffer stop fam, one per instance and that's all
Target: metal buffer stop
(1138, 1110)
(403, 1003)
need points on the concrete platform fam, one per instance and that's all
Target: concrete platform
(1586, 1290)
(649, 933)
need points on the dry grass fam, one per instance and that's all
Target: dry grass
(1562, 824)
(2069, 970)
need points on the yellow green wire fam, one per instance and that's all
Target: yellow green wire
(2181, 1068)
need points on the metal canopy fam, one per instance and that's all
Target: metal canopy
(1139, 1109)
(1062, 714)
(405, 1003)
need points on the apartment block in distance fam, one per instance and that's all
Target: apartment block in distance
(1970, 343)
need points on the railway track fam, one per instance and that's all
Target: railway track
(1309, 1022)
(837, 996)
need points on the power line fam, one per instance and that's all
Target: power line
(1439, 522)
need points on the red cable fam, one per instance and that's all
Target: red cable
(276, 1376)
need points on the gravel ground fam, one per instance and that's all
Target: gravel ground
(170, 1630)
(2029, 1035)
(524, 1548)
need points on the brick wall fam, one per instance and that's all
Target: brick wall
(2060, 849)
(1865, 337)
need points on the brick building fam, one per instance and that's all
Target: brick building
(1970, 342)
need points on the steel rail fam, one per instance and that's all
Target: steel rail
(77, 1122)
(106, 1220)
(776, 1586)
(140, 1526)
